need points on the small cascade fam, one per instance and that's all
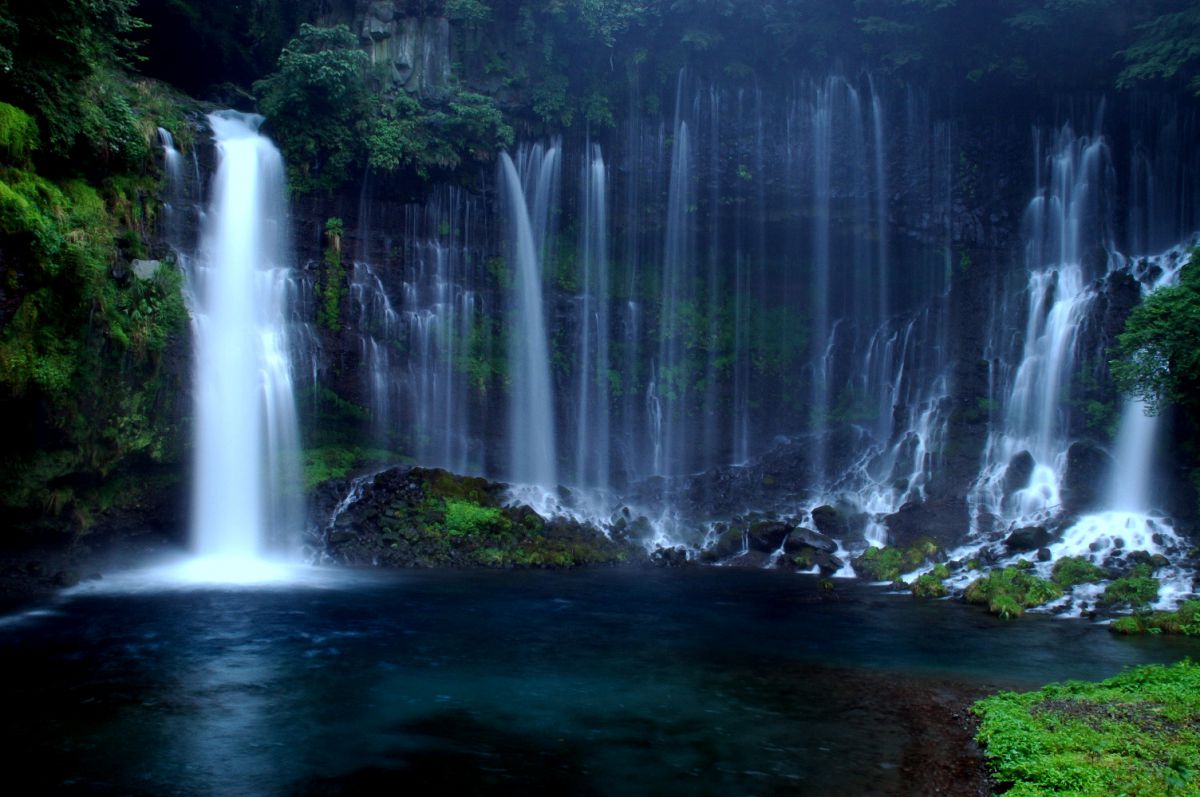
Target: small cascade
(378, 326)
(530, 192)
(246, 498)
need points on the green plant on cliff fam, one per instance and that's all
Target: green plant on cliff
(1159, 360)
(83, 339)
(332, 286)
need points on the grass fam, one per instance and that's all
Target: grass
(1136, 734)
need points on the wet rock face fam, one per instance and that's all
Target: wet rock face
(944, 521)
(1029, 538)
(1018, 473)
(1088, 473)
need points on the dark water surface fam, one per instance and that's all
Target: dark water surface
(704, 681)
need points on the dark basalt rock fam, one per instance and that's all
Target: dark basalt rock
(831, 522)
(945, 521)
(800, 539)
(1018, 472)
(768, 535)
(1086, 477)
(1029, 538)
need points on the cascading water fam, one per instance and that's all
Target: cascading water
(592, 438)
(530, 193)
(1064, 215)
(246, 499)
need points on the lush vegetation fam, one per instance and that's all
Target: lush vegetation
(931, 584)
(889, 563)
(1071, 571)
(1010, 591)
(1185, 620)
(1135, 734)
(1137, 589)
(1160, 362)
(331, 125)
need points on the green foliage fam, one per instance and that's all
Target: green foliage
(1184, 621)
(1139, 588)
(18, 135)
(889, 563)
(331, 288)
(336, 462)
(1010, 591)
(65, 65)
(929, 585)
(1135, 734)
(81, 350)
(313, 102)
(469, 519)
(1074, 570)
(1160, 362)
(1167, 48)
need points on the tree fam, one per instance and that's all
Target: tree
(1160, 347)
(1168, 49)
(313, 101)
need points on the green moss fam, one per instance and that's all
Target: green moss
(1010, 591)
(335, 462)
(1073, 570)
(469, 519)
(888, 563)
(1137, 734)
(1184, 621)
(18, 134)
(929, 585)
(1139, 588)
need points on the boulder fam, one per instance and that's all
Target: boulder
(945, 521)
(830, 521)
(767, 535)
(1029, 538)
(800, 539)
(146, 269)
(1086, 476)
(1018, 472)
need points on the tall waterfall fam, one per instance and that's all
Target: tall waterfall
(530, 192)
(246, 499)
(592, 437)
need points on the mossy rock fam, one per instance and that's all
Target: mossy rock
(1139, 588)
(1071, 571)
(889, 563)
(1184, 621)
(1008, 592)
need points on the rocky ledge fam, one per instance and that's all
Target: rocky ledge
(419, 517)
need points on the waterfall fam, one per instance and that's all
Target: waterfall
(530, 195)
(672, 380)
(1064, 217)
(246, 499)
(592, 441)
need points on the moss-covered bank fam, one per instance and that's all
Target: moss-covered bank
(1135, 734)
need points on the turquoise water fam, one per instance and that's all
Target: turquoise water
(703, 681)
